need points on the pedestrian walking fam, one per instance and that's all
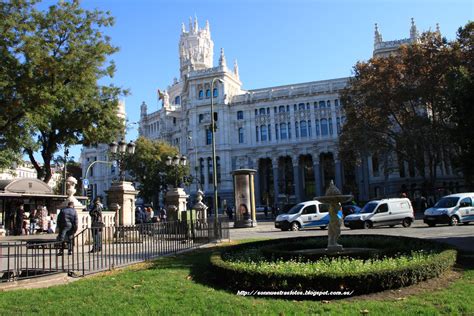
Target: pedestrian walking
(19, 214)
(33, 219)
(96, 225)
(67, 223)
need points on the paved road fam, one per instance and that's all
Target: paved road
(461, 236)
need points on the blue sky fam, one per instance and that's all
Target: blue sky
(275, 42)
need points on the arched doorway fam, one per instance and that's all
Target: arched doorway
(309, 186)
(265, 174)
(327, 169)
(286, 185)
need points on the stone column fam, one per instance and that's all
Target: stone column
(297, 178)
(275, 178)
(317, 175)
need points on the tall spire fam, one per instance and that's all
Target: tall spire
(191, 25)
(222, 61)
(183, 28)
(196, 27)
(413, 30)
(236, 69)
(207, 28)
(378, 36)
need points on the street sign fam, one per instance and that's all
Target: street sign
(85, 183)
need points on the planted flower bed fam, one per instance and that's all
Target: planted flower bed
(272, 265)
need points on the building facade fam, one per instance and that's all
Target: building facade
(97, 168)
(288, 133)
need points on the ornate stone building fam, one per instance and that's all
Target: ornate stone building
(289, 133)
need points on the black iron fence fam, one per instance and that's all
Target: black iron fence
(98, 249)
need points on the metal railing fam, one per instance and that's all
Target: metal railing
(99, 249)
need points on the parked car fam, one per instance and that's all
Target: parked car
(451, 209)
(383, 212)
(350, 209)
(304, 215)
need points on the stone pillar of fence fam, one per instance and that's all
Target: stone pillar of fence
(176, 200)
(123, 193)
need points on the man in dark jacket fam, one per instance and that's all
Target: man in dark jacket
(97, 225)
(67, 224)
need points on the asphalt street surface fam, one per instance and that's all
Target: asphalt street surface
(461, 236)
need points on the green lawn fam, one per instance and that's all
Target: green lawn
(173, 285)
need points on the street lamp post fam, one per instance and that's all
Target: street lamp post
(214, 167)
(175, 162)
(119, 152)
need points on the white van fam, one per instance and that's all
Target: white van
(451, 209)
(305, 215)
(384, 212)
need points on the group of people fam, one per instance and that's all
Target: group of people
(37, 220)
(145, 215)
(68, 225)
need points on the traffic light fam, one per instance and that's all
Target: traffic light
(89, 193)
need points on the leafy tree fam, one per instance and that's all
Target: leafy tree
(461, 95)
(51, 63)
(148, 166)
(397, 107)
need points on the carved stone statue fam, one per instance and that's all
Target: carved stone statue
(163, 95)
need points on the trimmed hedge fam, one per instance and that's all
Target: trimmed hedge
(438, 259)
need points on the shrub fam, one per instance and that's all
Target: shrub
(405, 261)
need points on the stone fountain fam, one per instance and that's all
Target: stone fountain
(334, 198)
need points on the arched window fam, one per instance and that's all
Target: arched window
(208, 93)
(215, 93)
(281, 108)
(262, 111)
(241, 135)
(328, 103)
(287, 108)
(269, 132)
(322, 104)
(177, 100)
(283, 134)
(336, 103)
(304, 130)
(201, 169)
(294, 107)
(301, 106)
(218, 169)
(263, 133)
(257, 133)
(240, 115)
(310, 132)
(201, 94)
(297, 130)
(289, 131)
(317, 127)
(330, 126)
(209, 170)
(324, 127)
(256, 112)
(277, 134)
(201, 117)
(208, 136)
(268, 111)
